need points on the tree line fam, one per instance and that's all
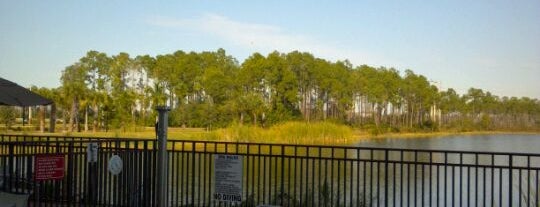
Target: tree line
(212, 89)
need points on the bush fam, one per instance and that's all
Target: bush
(485, 122)
(430, 126)
(7, 116)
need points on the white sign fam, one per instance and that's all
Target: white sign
(228, 178)
(92, 152)
(115, 165)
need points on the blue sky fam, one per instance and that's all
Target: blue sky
(492, 45)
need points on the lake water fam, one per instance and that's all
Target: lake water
(409, 179)
(526, 143)
(479, 185)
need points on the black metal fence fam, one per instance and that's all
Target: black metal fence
(273, 174)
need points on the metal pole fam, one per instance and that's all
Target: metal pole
(23, 114)
(162, 155)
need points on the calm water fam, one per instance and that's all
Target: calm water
(488, 143)
(351, 182)
(486, 187)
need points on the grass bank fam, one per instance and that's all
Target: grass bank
(289, 132)
(325, 133)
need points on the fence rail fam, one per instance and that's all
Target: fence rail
(273, 174)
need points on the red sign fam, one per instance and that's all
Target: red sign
(49, 167)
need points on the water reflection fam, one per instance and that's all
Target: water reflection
(319, 176)
(525, 143)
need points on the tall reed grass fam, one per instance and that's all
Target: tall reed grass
(288, 132)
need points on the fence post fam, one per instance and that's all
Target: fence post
(162, 165)
(91, 180)
(11, 164)
(510, 166)
(282, 194)
(70, 176)
(386, 178)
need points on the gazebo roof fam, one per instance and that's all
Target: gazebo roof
(12, 94)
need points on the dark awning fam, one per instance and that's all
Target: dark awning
(12, 94)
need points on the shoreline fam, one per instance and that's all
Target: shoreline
(425, 135)
(357, 136)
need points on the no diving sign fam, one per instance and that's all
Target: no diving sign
(228, 178)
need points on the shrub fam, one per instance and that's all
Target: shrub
(7, 115)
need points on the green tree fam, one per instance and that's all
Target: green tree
(74, 89)
(123, 98)
(419, 96)
(252, 96)
(283, 89)
(97, 65)
(211, 89)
